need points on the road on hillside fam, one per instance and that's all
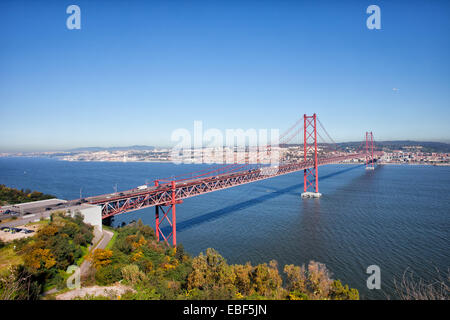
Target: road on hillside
(106, 237)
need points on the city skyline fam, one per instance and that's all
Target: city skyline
(135, 73)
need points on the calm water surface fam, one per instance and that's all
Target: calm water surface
(396, 217)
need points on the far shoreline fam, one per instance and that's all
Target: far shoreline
(213, 163)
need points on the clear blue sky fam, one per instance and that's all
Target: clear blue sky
(137, 70)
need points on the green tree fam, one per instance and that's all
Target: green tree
(319, 280)
(243, 282)
(340, 292)
(38, 258)
(212, 274)
(296, 278)
(267, 280)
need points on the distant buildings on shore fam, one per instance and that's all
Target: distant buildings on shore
(405, 155)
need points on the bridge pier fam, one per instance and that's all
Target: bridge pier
(311, 195)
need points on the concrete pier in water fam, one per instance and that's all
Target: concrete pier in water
(311, 195)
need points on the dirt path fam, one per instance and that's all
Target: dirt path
(112, 292)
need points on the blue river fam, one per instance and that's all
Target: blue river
(396, 217)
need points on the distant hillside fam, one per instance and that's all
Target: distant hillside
(428, 146)
(96, 149)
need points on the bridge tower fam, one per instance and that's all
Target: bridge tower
(167, 209)
(369, 151)
(310, 175)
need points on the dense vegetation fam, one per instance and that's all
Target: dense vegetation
(13, 196)
(156, 271)
(46, 256)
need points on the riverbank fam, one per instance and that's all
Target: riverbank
(416, 164)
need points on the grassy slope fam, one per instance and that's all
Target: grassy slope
(8, 257)
(113, 239)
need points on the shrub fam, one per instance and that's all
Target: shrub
(71, 229)
(266, 279)
(101, 258)
(19, 284)
(132, 275)
(319, 280)
(123, 245)
(108, 274)
(340, 292)
(143, 293)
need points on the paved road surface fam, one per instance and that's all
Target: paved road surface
(24, 220)
(107, 235)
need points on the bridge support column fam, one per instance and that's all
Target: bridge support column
(310, 175)
(174, 216)
(157, 230)
(167, 209)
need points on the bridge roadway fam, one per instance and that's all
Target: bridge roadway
(135, 199)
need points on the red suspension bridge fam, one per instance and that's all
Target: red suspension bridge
(165, 194)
